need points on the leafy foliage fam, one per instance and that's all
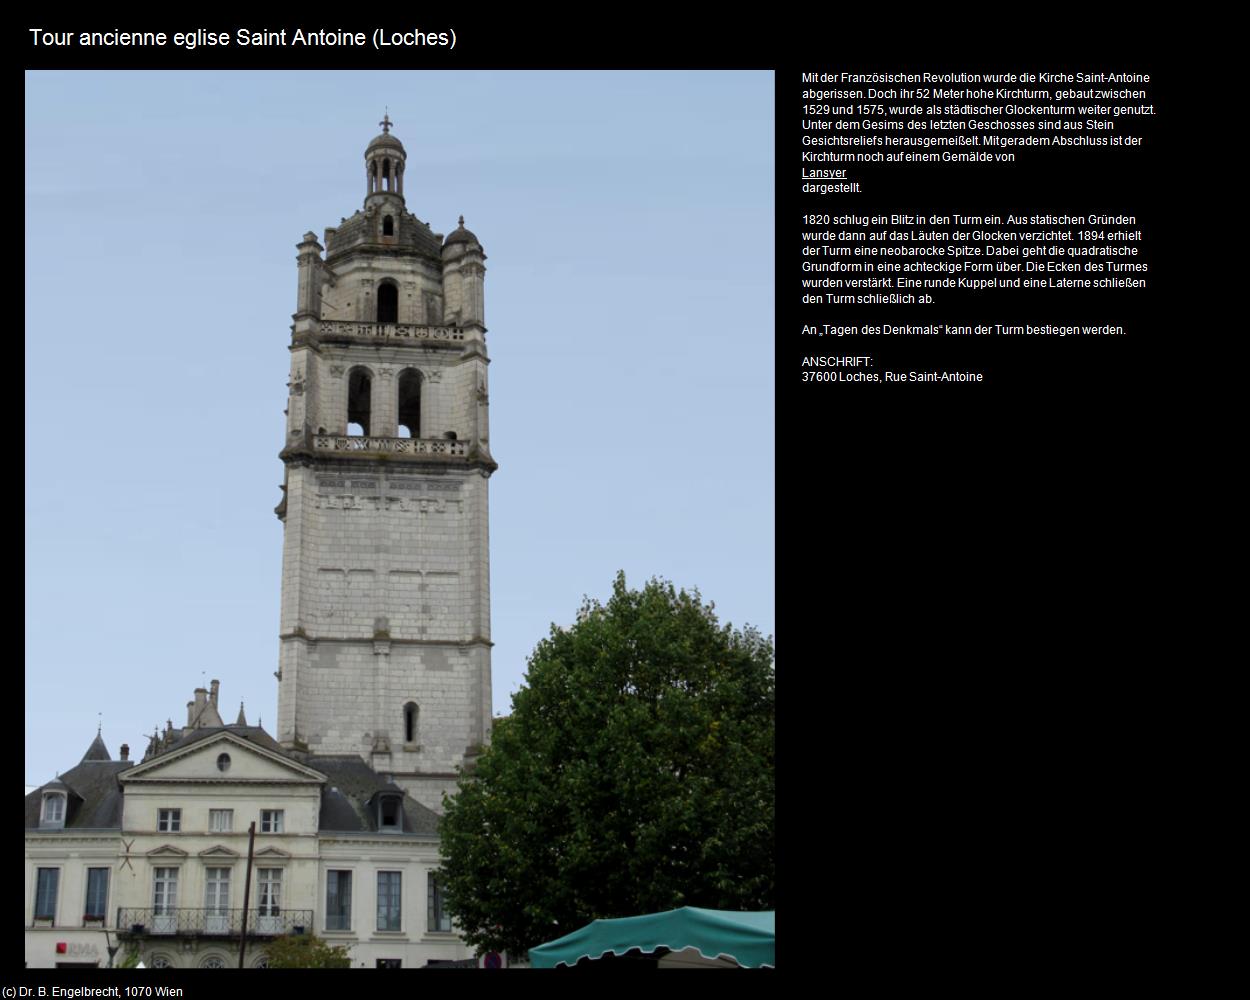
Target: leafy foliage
(634, 775)
(306, 951)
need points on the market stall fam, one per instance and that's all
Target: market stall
(684, 938)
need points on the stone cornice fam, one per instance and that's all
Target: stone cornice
(302, 634)
(305, 456)
(299, 773)
(371, 837)
(73, 836)
(219, 851)
(370, 250)
(304, 782)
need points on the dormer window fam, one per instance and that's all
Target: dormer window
(53, 816)
(391, 813)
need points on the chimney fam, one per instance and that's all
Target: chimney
(213, 697)
(125, 751)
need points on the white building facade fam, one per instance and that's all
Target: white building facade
(152, 856)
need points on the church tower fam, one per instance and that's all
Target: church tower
(385, 630)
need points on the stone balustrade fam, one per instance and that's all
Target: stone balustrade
(439, 447)
(398, 332)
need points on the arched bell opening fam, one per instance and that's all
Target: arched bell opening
(359, 401)
(409, 410)
(388, 302)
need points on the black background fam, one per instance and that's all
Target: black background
(963, 574)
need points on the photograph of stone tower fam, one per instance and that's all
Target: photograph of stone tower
(386, 562)
(249, 289)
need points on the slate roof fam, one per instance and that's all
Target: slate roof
(95, 802)
(348, 803)
(462, 235)
(346, 799)
(253, 734)
(97, 750)
(384, 139)
(362, 230)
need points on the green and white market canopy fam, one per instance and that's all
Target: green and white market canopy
(719, 937)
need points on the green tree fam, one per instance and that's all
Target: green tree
(306, 951)
(634, 775)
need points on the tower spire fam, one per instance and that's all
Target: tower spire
(384, 162)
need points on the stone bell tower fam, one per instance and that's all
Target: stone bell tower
(385, 632)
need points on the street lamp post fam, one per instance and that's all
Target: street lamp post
(247, 888)
(110, 947)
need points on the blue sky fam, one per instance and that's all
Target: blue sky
(628, 224)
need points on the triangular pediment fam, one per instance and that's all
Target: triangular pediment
(167, 851)
(272, 854)
(222, 756)
(219, 851)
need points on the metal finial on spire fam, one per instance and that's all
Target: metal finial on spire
(99, 726)
(386, 121)
(462, 222)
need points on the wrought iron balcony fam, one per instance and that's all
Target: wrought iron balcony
(184, 922)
